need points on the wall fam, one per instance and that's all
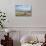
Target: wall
(38, 13)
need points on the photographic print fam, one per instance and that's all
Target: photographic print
(23, 10)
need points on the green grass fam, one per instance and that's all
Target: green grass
(19, 13)
(22, 13)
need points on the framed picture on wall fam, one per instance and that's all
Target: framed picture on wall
(24, 10)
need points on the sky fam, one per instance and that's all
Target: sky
(23, 7)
